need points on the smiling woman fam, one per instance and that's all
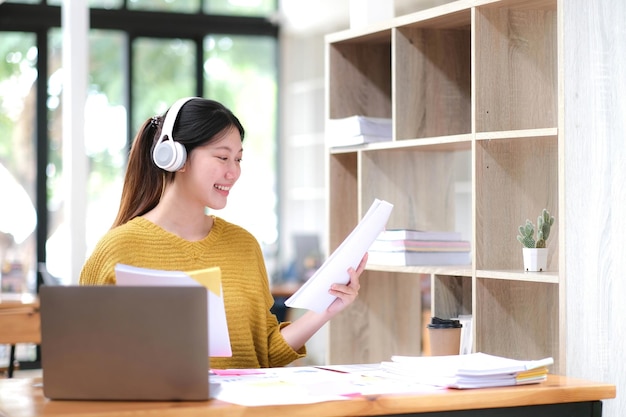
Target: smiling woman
(180, 163)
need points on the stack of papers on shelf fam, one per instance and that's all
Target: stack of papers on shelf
(476, 370)
(357, 130)
(415, 247)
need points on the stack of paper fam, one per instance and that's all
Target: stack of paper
(415, 247)
(476, 370)
(211, 278)
(357, 130)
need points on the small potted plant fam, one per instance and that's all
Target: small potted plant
(534, 249)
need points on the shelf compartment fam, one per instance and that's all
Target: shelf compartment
(360, 81)
(516, 178)
(420, 185)
(343, 199)
(517, 319)
(432, 82)
(452, 15)
(451, 296)
(516, 66)
(372, 330)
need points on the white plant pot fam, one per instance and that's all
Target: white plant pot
(535, 259)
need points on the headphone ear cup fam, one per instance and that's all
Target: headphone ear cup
(169, 155)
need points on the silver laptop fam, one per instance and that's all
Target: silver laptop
(124, 343)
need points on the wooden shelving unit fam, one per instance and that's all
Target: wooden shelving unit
(472, 88)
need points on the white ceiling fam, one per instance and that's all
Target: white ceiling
(322, 16)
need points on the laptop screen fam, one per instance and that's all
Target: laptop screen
(124, 343)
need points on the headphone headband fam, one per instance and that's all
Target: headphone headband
(168, 154)
(170, 118)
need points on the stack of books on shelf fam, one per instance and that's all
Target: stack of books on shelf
(476, 370)
(358, 130)
(405, 247)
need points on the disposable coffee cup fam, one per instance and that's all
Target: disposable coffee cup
(445, 336)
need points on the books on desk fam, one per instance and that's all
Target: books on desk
(476, 370)
(405, 247)
(357, 130)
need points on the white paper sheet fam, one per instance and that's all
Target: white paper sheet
(219, 340)
(308, 384)
(313, 295)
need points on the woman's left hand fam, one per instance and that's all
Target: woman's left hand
(347, 293)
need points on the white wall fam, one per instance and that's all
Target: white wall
(595, 192)
(302, 171)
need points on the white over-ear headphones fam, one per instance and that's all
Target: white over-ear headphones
(168, 154)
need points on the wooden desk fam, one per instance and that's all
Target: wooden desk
(19, 322)
(558, 396)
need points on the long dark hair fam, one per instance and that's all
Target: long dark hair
(200, 121)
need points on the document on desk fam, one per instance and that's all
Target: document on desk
(308, 384)
(211, 278)
(313, 295)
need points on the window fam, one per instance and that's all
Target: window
(241, 72)
(18, 218)
(138, 66)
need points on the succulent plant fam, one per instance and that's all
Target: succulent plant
(527, 231)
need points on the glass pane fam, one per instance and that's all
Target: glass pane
(241, 72)
(105, 4)
(18, 219)
(240, 7)
(179, 6)
(24, 1)
(57, 229)
(164, 71)
(105, 142)
(100, 4)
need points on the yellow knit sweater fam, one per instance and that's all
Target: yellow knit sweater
(254, 331)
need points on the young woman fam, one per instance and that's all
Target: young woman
(180, 164)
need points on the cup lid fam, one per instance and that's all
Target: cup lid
(439, 323)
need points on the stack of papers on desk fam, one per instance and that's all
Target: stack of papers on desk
(211, 278)
(476, 370)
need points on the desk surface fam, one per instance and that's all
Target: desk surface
(24, 398)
